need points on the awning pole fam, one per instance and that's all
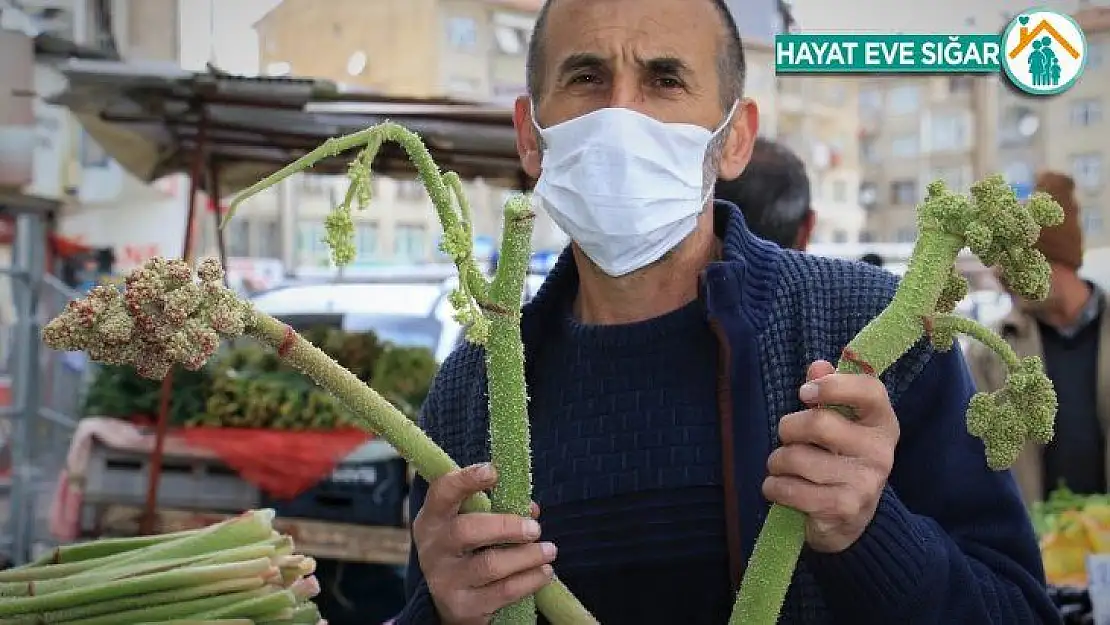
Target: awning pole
(150, 510)
(217, 214)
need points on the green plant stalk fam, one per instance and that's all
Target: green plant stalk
(474, 301)
(374, 413)
(257, 606)
(166, 611)
(124, 604)
(100, 575)
(219, 621)
(884, 340)
(510, 439)
(946, 226)
(169, 580)
(97, 549)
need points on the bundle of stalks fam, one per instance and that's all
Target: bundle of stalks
(238, 572)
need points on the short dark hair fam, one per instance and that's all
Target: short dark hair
(872, 258)
(731, 67)
(773, 192)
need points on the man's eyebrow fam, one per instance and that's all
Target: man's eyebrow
(655, 65)
(579, 61)
(664, 65)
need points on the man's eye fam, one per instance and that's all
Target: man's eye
(582, 79)
(668, 83)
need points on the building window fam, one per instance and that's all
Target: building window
(237, 237)
(312, 251)
(1096, 55)
(866, 236)
(839, 236)
(869, 150)
(1092, 221)
(410, 243)
(1087, 170)
(956, 178)
(1018, 172)
(269, 241)
(462, 33)
(906, 235)
(511, 41)
(903, 192)
(904, 100)
(868, 194)
(1086, 112)
(960, 84)
(366, 242)
(410, 190)
(905, 146)
(950, 133)
(870, 101)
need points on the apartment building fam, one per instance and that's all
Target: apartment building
(916, 129)
(1069, 132)
(471, 50)
(818, 117)
(134, 29)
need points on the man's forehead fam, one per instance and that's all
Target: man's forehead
(631, 30)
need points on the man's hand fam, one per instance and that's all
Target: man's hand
(832, 469)
(477, 563)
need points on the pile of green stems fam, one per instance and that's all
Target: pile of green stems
(238, 572)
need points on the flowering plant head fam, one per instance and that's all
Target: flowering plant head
(164, 315)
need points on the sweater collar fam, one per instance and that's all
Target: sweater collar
(741, 281)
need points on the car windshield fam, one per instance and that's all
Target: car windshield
(406, 330)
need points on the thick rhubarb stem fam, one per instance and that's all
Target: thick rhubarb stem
(555, 601)
(169, 580)
(510, 438)
(877, 346)
(124, 604)
(157, 613)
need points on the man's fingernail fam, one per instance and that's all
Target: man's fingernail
(549, 550)
(531, 530)
(484, 471)
(808, 392)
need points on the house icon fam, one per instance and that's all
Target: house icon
(1028, 35)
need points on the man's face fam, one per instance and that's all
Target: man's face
(657, 57)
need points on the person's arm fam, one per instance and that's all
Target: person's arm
(419, 607)
(951, 543)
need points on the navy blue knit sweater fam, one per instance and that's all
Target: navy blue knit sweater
(950, 544)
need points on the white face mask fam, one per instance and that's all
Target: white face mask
(625, 187)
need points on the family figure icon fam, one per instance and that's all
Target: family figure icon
(1044, 52)
(1044, 67)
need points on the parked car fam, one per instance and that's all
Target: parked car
(415, 314)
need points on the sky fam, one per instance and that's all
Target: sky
(233, 41)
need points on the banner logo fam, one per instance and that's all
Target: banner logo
(1042, 52)
(1045, 52)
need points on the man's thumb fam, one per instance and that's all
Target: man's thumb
(819, 369)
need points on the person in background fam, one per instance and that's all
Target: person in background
(1070, 330)
(872, 259)
(773, 193)
(677, 373)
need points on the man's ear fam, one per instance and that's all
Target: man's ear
(527, 144)
(741, 140)
(805, 231)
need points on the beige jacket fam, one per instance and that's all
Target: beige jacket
(1022, 333)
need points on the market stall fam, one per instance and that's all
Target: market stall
(227, 132)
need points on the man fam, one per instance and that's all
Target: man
(667, 355)
(774, 195)
(1071, 331)
(872, 258)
